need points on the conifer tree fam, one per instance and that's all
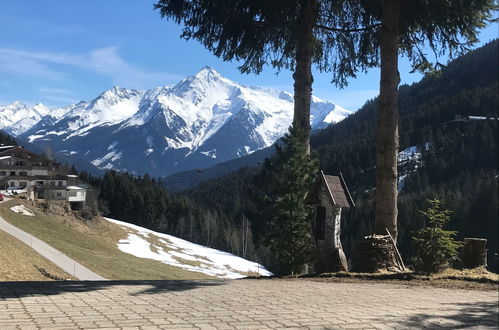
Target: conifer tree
(290, 173)
(435, 247)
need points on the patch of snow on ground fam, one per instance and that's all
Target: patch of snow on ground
(32, 138)
(409, 160)
(113, 145)
(210, 261)
(109, 156)
(409, 154)
(210, 153)
(11, 191)
(23, 210)
(176, 144)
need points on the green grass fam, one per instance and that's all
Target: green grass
(93, 245)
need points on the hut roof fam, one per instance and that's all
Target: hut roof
(338, 191)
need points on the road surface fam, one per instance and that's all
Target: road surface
(242, 304)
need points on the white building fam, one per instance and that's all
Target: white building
(42, 178)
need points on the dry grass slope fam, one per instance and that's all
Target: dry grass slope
(468, 279)
(18, 262)
(93, 244)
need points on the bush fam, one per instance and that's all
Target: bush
(435, 247)
(88, 213)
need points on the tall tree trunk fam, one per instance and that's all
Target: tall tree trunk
(303, 71)
(387, 138)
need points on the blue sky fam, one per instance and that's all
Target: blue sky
(62, 51)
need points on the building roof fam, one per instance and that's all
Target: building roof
(17, 150)
(74, 188)
(57, 177)
(338, 190)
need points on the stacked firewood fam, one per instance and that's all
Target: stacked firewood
(376, 253)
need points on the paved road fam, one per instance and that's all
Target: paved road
(241, 304)
(64, 262)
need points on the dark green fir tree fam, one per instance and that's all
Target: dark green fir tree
(435, 247)
(289, 176)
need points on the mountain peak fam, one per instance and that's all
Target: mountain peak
(207, 72)
(114, 90)
(17, 104)
(198, 83)
(117, 93)
(208, 68)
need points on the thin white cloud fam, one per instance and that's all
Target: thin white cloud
(104, 61)
(17, 63)
(56, 91)
(60, 99)
(58, 95)
(108, 62)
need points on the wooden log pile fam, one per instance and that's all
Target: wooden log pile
(376, 253)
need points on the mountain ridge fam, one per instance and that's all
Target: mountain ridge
(203, 120)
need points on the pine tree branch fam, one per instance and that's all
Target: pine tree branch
(335, 29)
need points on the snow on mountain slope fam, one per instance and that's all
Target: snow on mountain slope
(203, 120)
(145, 243)
(111, 107)
(207, 100)
(17, 117)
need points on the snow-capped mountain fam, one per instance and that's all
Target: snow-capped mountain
(203, 120)
(17, 117)
(111, 107)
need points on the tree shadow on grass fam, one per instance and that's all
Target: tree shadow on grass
(464, 316)
(133, 288)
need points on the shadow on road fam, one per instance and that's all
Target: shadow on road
(482, 314)
(134, 288)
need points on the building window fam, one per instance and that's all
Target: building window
(23, 173)
(3, 173)
(59, 194)
(72, 193)
(60, 183)
(320, 223)
(13, 173)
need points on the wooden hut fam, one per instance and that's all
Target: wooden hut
(330, 195)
